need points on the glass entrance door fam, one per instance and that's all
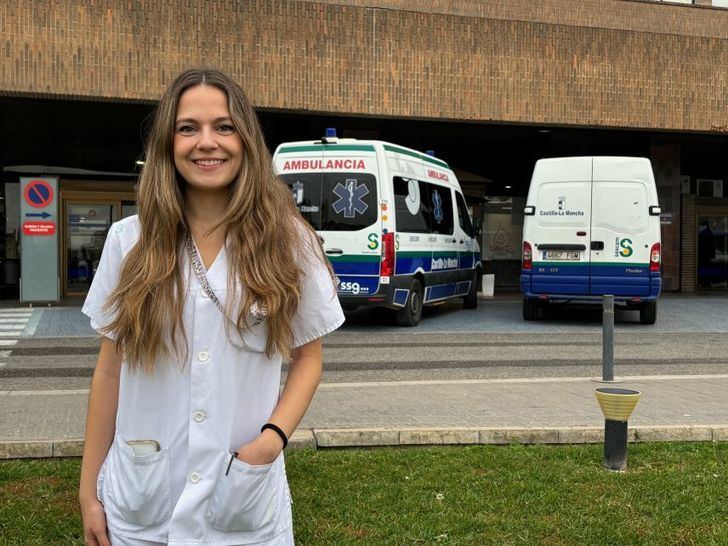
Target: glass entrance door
(86, 227)
(712, 251)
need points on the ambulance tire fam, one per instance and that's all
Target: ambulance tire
(531, 309)
(648, 312)
(471, 300)
(411, 313)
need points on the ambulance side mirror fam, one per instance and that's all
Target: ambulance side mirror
(529, 210)
(655, 211)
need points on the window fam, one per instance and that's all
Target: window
(335, 201)
(463, 216)
(440, 200)
(410, 212)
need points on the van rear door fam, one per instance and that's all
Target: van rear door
(562, 226)
(620, 227)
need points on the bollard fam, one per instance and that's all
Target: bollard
(617, 406)
(608, 338)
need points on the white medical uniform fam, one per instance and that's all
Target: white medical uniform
(200, 411)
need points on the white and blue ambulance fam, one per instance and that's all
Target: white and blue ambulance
(591, 228)
(393, 221)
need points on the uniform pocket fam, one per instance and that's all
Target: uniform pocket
(253, 339)
(245, 497)
(137, 487)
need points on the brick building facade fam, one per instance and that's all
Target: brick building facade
(627, 65)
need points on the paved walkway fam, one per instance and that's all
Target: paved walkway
(552, 410)
(46, 423)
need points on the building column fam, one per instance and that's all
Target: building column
(687, 246)
(665, 158)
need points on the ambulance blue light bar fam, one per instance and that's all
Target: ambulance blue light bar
(331, 132)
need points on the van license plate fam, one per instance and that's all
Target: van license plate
(565, 255)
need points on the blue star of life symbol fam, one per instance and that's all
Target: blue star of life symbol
(437, 201)
(351, 198)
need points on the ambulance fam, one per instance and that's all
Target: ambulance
(393, 222)
(591, 228)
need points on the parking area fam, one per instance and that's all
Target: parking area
(502, 314)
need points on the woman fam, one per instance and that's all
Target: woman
(199, 299)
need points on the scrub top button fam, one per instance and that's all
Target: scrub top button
(199, 416)
(202, 356)
(204, 294)
(195, 477)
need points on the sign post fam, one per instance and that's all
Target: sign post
(39, 279)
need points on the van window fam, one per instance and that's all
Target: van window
(335, 201)
(440, 200)
(411, 212)
(421, 207)
(463, 216)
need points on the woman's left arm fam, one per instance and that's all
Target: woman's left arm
(304, 374)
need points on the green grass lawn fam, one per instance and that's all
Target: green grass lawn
(671, 494)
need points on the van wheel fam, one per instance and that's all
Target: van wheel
(648, 312)
(411, 313)
(471, 300)
(530, 309)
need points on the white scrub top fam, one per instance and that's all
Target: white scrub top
(200, 411)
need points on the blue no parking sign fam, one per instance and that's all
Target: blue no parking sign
(39, 239)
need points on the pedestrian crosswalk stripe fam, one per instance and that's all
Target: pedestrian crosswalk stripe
(8, 342)
(13, 321)
(10, 333)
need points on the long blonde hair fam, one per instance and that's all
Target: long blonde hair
(264, 235)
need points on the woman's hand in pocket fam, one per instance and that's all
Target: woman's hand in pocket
(94, 524)
(263, 450)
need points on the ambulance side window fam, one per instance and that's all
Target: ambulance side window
(411, 211)
(463, 216)
(440, 200)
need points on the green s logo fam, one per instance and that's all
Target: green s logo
(373, 241)
(626, 251)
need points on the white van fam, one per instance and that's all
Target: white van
(591, 228)
(393, 221)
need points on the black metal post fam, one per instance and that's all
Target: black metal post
(608, 338)
(615, 445)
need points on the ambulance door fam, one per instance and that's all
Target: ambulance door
(465, 235)
(444, 265)
(351, 225)
(620, 243)
(561, 230)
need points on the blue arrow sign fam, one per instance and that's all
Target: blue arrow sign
(38, 214)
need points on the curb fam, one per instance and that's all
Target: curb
(383, 437)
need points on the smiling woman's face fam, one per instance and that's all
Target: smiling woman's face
(208, 151)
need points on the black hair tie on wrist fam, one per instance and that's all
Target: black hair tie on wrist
(277, 430)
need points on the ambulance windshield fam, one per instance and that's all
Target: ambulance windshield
(335, 201)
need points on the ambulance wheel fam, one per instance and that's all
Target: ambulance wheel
(648, 312)
(471, 300)
(531, 310)
(411, 313)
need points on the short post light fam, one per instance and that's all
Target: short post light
(617, 406)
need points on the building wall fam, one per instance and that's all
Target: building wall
(604, 63)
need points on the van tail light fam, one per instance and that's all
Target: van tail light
(655, 258)
(387, 255)
(527, 256)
